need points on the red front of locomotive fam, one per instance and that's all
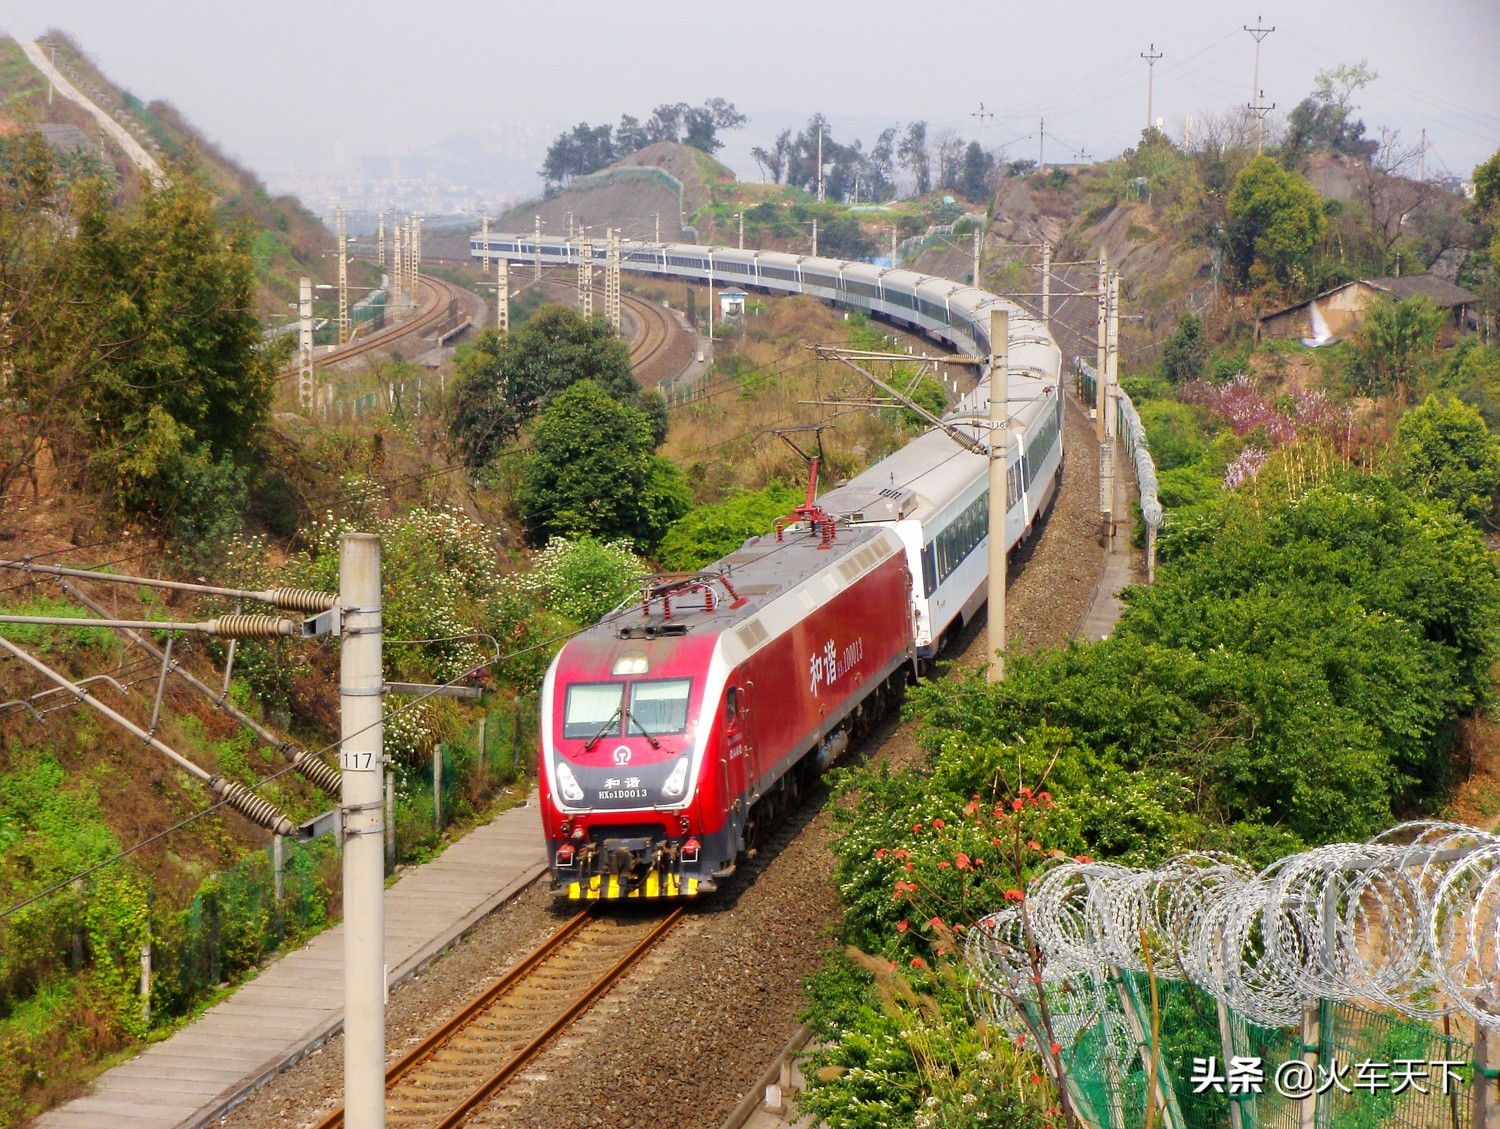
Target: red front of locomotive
(669, 736)
(626, 726)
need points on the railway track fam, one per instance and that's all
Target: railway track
(656, 331)
(434, 309)
(460, 1065)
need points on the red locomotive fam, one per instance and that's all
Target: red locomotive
(680, 724)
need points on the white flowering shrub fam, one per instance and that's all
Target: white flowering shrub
(582, 580)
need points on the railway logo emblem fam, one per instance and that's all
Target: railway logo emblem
(622, 755)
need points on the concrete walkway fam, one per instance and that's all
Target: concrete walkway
(297, 1003)
(1122, 566)
(133, 148)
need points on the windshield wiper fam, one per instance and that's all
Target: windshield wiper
(588, 746)
(655, 744)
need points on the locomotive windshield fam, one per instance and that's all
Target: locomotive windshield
(591, 706)
(659, 706)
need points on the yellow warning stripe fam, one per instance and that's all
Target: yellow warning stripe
(657, 885)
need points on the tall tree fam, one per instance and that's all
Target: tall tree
(1394, 343)
(914, 156)
(974, 178)
(593, 472)
(505, 380)
(1325, 119)
(1276, 218)
(1445, 451)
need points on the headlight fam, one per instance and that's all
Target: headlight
(677, 778)
(567, 781)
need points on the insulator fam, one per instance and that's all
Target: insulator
(301, 599)
(251, 806)
(320, 772)
(252, 626)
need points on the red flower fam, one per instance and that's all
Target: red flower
(972, 807)
(1014, 896)
(936, 923)
(901, 926)
(1020, 1039)
(1082, 859)
(891, 967)
(961, 861)
(938, 824)
(994, 842)
(943, 864)
(979, 862)
(1056, 1049)
(916, 828)
(880, 854)
(1026, 792)
(1017, 805)
(1036, 1079)
(901, 853)
(908, 868)
(918, 962)
(1031, 844)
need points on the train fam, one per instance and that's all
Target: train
(694, 714)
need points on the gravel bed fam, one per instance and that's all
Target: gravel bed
(693, 1027)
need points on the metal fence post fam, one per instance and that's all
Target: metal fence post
(437, 787)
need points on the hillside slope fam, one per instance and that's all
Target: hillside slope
(289, 241)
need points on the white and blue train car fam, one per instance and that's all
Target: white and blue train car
(934, 492)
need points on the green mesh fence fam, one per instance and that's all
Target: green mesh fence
(1370, 1069)
(460, 778)
(240, 917)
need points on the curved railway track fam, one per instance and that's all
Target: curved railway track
(433, 310)
(461, 1064)
(656, 330)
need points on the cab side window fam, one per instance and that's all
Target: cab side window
(732, 708)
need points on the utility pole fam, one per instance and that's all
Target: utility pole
(380, 243)
(612, 280)
(343, 278)
(1047, 286)
(484, 238)
(983, 115)
(999, 446)
(658, 227)
(362, 809)
(820, 163)
(416, 255)
(1258, 32)
(893, 245)
(710, 304)
(306, 381)
(978, 245)
(1151, 54)
(1041, 147)
(586, 276)
(1102, 323)
(502, 295)
(537, 273)
(1260, 110)
(1111, 384)
(742, 216)
(398, 271)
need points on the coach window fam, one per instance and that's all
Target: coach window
(732, 706)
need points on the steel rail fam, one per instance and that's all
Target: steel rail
(413, 1060)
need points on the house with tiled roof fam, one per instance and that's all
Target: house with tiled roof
(1342, 306)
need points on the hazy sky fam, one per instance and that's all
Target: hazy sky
(278, 82)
